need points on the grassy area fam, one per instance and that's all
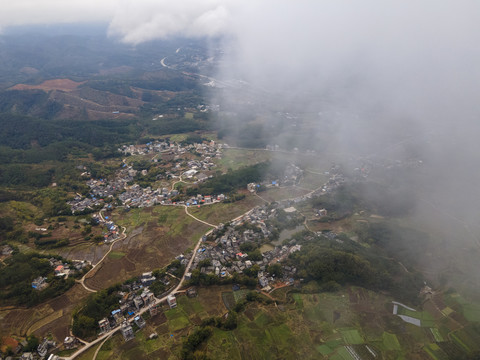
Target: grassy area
(237, 158)
(436, 335)
(472, 312)
(352, 336)
(222, 213)
(390, 341)
(435, 352)
(191, 306)
(177, 319)
(425, 317)
(116, 255)
(313, 181)
(310, 326)
(324, 349)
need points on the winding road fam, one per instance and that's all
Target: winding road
(122, 236)
(174, 291)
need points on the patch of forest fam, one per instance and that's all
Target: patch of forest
(17, 274)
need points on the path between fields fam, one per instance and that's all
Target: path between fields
(105, 336)
(82, 280)
(203, 222)
(99, 347)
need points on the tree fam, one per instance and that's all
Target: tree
(275, 269)
(255, 255)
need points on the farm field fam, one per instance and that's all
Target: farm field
(224, 212)
(335, 326)
(237, 158)
(154, 237)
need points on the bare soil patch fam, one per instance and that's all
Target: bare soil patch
(53, 317)
(152, 248)
(47, 85)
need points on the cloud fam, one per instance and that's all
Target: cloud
(28, 12)
(135, 22)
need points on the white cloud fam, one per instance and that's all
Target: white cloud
(27, 12)
(137, 22)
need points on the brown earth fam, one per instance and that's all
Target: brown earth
(53, 316)
(150, 248)
(47, 85)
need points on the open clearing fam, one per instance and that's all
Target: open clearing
(237, 158)
(155, 236)
(221, 213)
(47, 85)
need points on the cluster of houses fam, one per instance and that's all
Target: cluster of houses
(128, 312)
(101, 189)
(206, 148)
(222, 248)
(60, 269)
(136, 196)
(291, 176)
(41, 352)
(130, 305)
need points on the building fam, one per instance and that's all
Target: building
(118, 316)
(127, 331)
(192, 292)
(322, 212)
(39, 283)
(59, 270)
(153, 310)
(172, 301)
(42, 349)
(139, 322)
(147, 278)
(147, 297)
(104, 326)
(71, 342)
(138, 302)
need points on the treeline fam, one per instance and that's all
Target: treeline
(232, 180)
(331, 264)
(97, 306)
(18, 273)
(370, 196)
(19, 132)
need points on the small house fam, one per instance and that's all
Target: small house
(172, 301)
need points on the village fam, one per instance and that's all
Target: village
(130, 194)
(222, 252)
(243, 246)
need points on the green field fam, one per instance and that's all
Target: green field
(436, 335)
(426, 319)
(390, 341)
(324, 349)
(116, 255)
(237, 158)
(472, 312)
(352, 337)
(342, 354)
(177, 319)
(435, 352)
(302, 328)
